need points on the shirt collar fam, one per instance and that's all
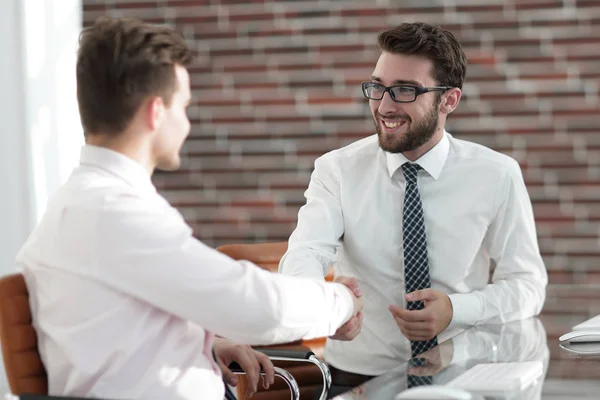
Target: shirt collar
(433, 161)
(117, 164)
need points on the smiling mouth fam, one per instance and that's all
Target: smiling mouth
(393, 124)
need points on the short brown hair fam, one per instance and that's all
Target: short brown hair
(120, 63)
(432, 42)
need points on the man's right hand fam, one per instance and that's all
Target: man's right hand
(351, 329)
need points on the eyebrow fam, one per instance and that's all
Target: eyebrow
(398, 82)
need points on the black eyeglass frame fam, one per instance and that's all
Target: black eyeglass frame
(419, 90)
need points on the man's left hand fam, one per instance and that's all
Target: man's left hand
(424, 324)
(250, 360)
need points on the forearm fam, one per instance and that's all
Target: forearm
(499, 302)
(303, 261)
(176, 273)
(239, 301)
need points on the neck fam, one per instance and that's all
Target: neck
(138, 150)
(415, 154)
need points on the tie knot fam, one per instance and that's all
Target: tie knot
(410, 172)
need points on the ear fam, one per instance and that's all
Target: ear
(155, 112)
(450, 100)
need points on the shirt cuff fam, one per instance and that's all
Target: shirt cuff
(466, 309)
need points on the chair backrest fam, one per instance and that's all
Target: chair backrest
(265, 255)
(22, 362)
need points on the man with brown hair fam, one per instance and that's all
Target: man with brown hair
(416, 216)
(125, 301)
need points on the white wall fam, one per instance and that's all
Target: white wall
(15, 192)
(40, 134)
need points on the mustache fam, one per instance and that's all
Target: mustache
(392, 116)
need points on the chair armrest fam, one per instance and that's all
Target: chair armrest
(234, 367)
(45, 397)
(304, 354)
(280, 372)
(286, 353)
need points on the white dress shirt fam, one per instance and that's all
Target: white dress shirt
(126, 302)
(476, 210)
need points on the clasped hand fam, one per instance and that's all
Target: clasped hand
(424, 324)
(352, 327)
(250, 361)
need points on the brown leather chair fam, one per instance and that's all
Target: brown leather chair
(24, 368)
(309, 377)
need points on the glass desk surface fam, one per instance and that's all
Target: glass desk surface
(527, 363)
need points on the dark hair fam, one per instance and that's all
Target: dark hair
(432, 42)
(120, 63)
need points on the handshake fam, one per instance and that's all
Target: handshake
(415, 325)
(352, 327)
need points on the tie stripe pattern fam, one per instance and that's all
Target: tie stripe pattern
(416, 265)
(418, 380)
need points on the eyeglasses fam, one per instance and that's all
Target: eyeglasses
(399, 93)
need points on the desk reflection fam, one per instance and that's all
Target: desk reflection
(517, 341)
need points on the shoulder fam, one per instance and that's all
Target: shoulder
(114, 204)
(482, 158)
(354, 155)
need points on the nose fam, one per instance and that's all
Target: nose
(387, 105)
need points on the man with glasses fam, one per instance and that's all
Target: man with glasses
(434, 232)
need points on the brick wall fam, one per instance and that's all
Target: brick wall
(276, 84)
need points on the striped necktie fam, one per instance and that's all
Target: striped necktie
(416, 266)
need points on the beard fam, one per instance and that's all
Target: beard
(416, 136)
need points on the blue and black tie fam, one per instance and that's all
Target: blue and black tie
(416, 265)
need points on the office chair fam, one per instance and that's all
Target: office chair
(309, 378)
(24, 368)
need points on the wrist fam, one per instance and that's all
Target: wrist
(348, 302)
(451, 312)
(219, 342)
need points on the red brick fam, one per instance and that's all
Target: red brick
(201, 22)
(241, 1)
(481, 58)
(270, 32)
(480, 7)
(149, 4)
(325, 31)
(555, 23)
(364, 12)
(231, 52)
(89, 6)
(251, 17)
(342, 48)
(329, 100)
(186, 3)
(284, 50)
(408, 10)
